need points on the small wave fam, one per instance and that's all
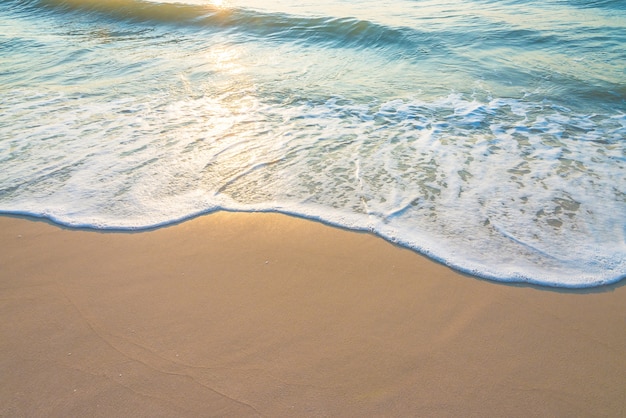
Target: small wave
(498, 150)
(600, 4)
(328, 30)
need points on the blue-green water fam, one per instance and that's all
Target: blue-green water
(489, 135)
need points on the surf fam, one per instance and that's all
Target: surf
(497, 149)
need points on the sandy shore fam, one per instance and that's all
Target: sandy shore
(268, 315)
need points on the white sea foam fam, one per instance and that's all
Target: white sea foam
(495, 188)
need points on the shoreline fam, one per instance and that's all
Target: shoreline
(523, 282)
(263, 314)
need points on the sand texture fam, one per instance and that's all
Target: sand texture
(267, 315)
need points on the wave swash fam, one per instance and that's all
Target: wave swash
(489, 136)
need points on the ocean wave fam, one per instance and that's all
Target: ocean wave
(489, 143)
(327, 30)
(600, 4)
(451, 46)
(416, 173)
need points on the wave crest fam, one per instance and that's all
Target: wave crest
(329, 31)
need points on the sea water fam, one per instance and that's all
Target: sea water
(488, 135)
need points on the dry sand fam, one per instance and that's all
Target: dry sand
(268, 315)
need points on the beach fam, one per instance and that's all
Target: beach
(312, 209)
(258, 314)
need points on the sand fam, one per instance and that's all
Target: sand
(268, 315)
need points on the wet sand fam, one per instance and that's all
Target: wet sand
(269, 315)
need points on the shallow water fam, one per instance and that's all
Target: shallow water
(488, 135)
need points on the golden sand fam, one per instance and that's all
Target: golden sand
(269, 315)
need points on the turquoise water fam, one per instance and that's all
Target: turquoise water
(489, 135)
